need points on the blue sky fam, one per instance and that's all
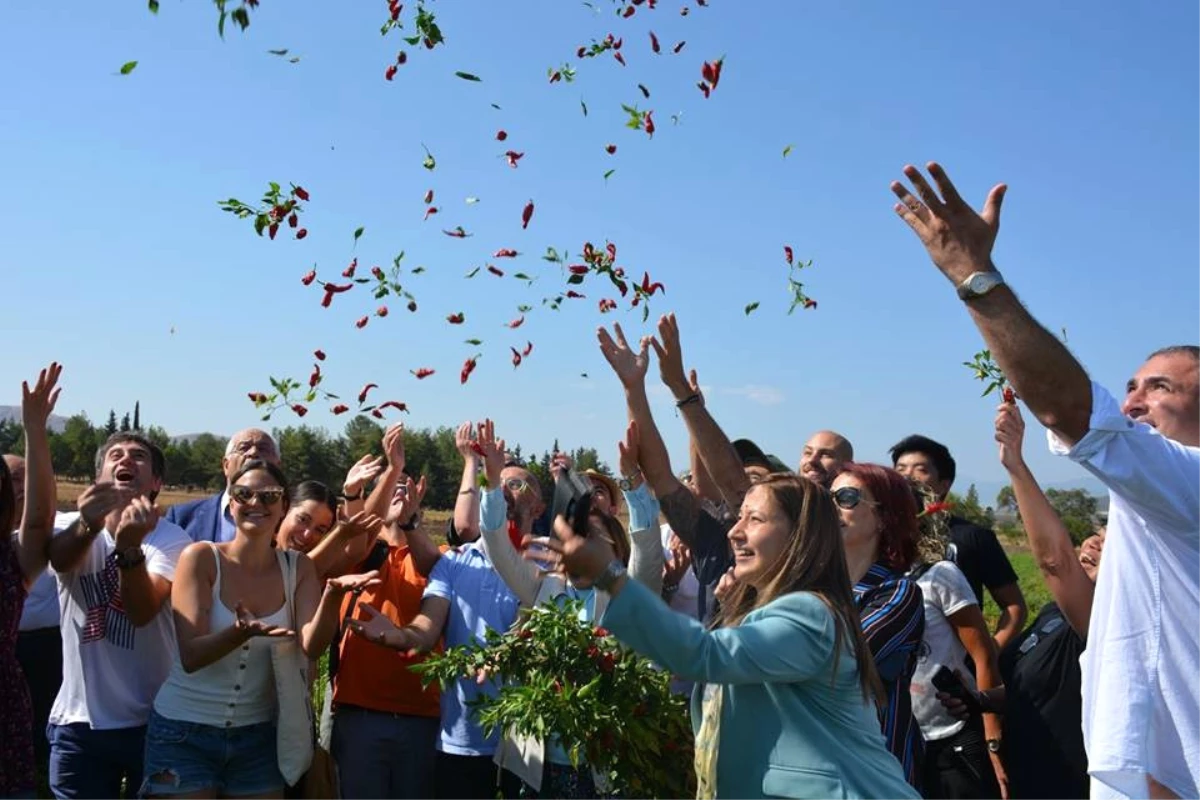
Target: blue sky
(113, 236)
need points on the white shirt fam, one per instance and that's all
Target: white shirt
(41, 604)
(1141, 669)
(111, 669)
(685, 598)
(945, 591)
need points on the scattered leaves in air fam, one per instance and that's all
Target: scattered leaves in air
(787, 151)
(608, 174)
(128, 67)
(644, 90)
(583, 105)
(283, 54)
(474, 342)
(153, 4)
(457, 319)
(429, 162)
(240, 15)
(751, 307)
(466, 76)
(274, 208)
(358, 232)
(989, 372)
(458, 233)
(678, 46)
(473, 272)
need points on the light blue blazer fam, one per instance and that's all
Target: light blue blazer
(790, 726)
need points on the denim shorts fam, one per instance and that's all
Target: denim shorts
(186, 757)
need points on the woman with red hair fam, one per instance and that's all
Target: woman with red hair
(879, 533)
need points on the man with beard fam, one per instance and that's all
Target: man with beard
(823, 456)
(114, 563)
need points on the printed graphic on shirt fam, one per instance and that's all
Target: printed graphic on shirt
(105, 615)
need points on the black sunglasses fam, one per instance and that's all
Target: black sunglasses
(848, 497)
(244, 494)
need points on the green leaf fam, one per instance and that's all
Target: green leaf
(752, 307)
(583, 105)
(358, 232)
(418, 270)
(474, 342)
(521, 276)
(466, 76)
(128, 67)
(609, 174)
(575, 279)
(787, 151)
(221, 26)
(282, 52)
(496, 107)
(524, 309)
(153, 6)
(473, 273)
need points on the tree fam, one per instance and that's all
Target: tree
(968, 507)
(137, 415)
(1077, 510)
(204, 462)
(80, 440)
(12, 437)
(361, 437)
(1006, 499)
(111, 426)
(126, 425)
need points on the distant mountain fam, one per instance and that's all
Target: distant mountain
(13, 414)
(191, 437)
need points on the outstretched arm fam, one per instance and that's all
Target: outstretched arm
(1043, 373)
(41, 493)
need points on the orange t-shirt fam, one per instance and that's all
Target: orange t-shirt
(375, 677)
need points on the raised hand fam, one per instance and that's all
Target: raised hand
(581, 556)
(560, 464)
(1010, 433)
(464, 442)
(137, 520)
(249, 626)
(958, 240)
(406, 502)
(353, 583)
(628, 450)
(493, 451)
(98, 501)
(365, 470)
(361, 524)
(725, 585)
(38, 403)
(670, 357)
(676, 568)
(393, 446)
(375, 627)
(629, 366)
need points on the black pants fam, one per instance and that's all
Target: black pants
(40, 655)
(471, 778)
(959, 766)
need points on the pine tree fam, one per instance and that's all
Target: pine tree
(137, 415)
(111, 427)
(125, 423)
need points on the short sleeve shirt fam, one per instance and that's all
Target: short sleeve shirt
(978, 553)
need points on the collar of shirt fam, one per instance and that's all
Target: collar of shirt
(876, 575)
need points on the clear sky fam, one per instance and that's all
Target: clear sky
(112, 234)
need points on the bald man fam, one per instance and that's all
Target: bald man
(208, 519)
(823, 456)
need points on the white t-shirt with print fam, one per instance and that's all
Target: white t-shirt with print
(112, 669)
(946, 591)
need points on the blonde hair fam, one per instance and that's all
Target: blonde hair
(813, 560)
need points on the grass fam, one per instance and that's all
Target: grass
(1032, 586)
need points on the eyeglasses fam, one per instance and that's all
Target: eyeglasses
(849, 497)
(244, 494)
(517, 485)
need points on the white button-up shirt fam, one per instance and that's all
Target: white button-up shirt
(1141, 668)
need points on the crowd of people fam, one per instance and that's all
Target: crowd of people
(827, 623)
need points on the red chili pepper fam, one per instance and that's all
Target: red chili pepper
(526, 215)
(257, 397)
(650, 124)
(422, 373)
(362, 322)
(499, 273)
(429, 212)
(1010, 396)
(428, 196)
(574, 295)
(319, 355)
(624, 287)
(299, 192)
(516, 357)
(578, 269)
(401, 58)
(717, 72)
(376, 413)
(378, 273)
(620, 58)
(467, 369)
(338, 288)
(581, 52)
(315, 378)
(610, 149)
(516, 323)
(293, 220)
(504, 252)
(787, 253)
(617, 44)
(588, 251)
(362, 395)
(348, 272)
(654, 43)
(402, 407)
(607, 304)
(555, 76)
(708, 73)
(327, 299)
(300, 234)
(299, 409)
(390, 72)
(810, 303)
(628, 12)
(382, 311)
(309, 277)
(456, 319)
(271, 231)
(650, 288)
(705, 88)
(611, 249)
(678, 47)
(513, 157)
(477, 449)
(501, 135)
(528, 349)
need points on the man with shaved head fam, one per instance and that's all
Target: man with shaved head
(823, 456)
(208, 519)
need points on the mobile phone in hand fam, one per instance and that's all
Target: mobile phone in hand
(946, 681)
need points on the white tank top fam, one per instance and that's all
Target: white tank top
(238, 689)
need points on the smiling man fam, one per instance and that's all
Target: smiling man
(823, 456)
(208, 519)
(1141, 699)
(114, 562)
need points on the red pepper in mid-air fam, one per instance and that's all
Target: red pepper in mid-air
(428, 196)
(654, 43)
(381, 311)
(340, 408)
(456, 319)
(327, 299)
(429, 212)
(516, 323)
(467, 368)
(271, 231)
(293, 220)
(299, 192)
(678, 47)
(392, 404)
(574, 295)
(390, 72)
(810, 303)
(319, 355)
(610, 149)
(377, 272)
(620, 58)
(513, 157)
(348, 272)
(1010, 396)
(499, 273)
(611, 249)
(501, 135)
(309, 277)
(578, 269)
(649, 288)
(528, 349)
(299, 409)
(315, 378)
(258, 398)
(649, 124)
(338, 288)
(422, 373)
(300, 234)
(787, 254)
(526, 215)
(362, 322)
(628, 12)
(516, 358)
(362, 395)
(716, 69)
(607, 304)
(705, 89)
(505, 252)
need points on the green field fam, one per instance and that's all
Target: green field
(1032, 585)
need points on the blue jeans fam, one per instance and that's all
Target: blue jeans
(90, 763)
(381, 754)
(189, 757)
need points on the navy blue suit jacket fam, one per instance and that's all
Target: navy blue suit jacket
(200, 519)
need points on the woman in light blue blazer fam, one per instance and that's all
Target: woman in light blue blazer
(784, 704)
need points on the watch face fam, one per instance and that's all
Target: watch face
(624, 484)
(979, 283)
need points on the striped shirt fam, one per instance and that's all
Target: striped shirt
(893, 623)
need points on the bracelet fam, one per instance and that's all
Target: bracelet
(351, 496)
(472, 490)
(687, 401)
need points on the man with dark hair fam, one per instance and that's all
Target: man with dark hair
(114, 563)
(208, 519)
(1141, 699)
(757, 464)
(974, 548)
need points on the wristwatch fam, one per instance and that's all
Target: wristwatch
(346, 496)
(130, 557)
(626, 482)
(993, 745)
(412, 523)
(606, 579)
(978, 284)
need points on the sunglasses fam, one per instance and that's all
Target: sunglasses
(516, 485)
(848, 497)
(244, 494)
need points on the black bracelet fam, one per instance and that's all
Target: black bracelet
(687, 401)
(351, 496)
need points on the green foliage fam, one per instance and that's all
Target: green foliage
(1033, 586)
(1075, 507)
(609, 707)
(969, 508)
(12, 437)
(987, 371)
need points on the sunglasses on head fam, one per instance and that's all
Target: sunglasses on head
(244, 494)
(848, 497)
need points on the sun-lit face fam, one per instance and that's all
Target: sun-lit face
(858, 513)
(248, 445)
(602, 502)
(920, 468)
(256, 503)
(759, 538)
(821, 458)
(305, 524)
(1165, 394)
(522, 495)
(130, 467)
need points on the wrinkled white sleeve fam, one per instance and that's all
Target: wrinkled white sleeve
(1157, 477)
